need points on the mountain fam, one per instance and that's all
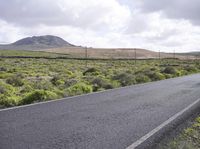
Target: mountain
(38, 43)
(195, 54)
(49, 43)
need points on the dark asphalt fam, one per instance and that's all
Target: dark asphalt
(108, 120)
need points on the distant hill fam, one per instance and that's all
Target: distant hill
(196, 54)
(54, 44)
(37, 43)
(110, 53)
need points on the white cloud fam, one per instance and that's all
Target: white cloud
(104, 14)
(178, 9)
(9, 32)
(105, 23)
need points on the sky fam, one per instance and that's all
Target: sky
(165, 25)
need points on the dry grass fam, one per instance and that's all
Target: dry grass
(111, 53)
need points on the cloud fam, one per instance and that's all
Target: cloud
(165, 25)
(177, 9)
(9, 32)
(99, 15)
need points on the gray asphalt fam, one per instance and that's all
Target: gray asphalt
(108, 120)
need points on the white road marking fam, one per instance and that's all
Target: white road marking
(154, 131)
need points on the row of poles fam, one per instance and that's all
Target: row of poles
(86, 56)
(135, 55)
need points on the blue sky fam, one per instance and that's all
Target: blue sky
(164, 25)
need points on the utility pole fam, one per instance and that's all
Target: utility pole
(86, 56)
(174, 55)
(135, 56)
(196, 57)
(135, 61)
(159, 57)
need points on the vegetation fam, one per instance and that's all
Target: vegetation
(26, 53)
(30, 80)
(188, 139)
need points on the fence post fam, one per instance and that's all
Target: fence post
(159, 54)
(135, 56)
(86, 56)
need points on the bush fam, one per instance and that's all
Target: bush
(108, 86)
(57, 80)
(167, 76)
(3, 69)
(98, 83)
(125, 79)
(142, 78)
(68, 73)
(42, 85)
(184, 72)
(178, 73)
(4, 75)
(26, 88)
(190, 68)
(155, 76)
(15, 80)
(79, 88)
(6, 102)
(7, 97)
(70, 82)
(170, 70)
(6, 89)
(38, 96)
(91, 70)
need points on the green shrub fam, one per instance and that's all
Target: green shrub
(142, 78)
(57, 80)
(109, 86)
(6, 89)
(155, 76)
(37, 96)
(79, 88)
(42, 85)
(98, 83)
(15, 80)
(7, 101)
(3, 69)
(68, 73)
(190, 68)
(12, 70)
(170, 70)
(70, 82)
(59, 93)
(125, 79)
(167, 76)
(4, 75)
(101, 84)
(184, 72)
(178, 73)
(7, 97)
(26, 88)
(153, 69)
(90, 71)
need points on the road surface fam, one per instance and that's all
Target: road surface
(108, 120)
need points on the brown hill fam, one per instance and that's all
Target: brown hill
(112, 53)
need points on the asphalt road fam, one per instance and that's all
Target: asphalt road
(108, 120)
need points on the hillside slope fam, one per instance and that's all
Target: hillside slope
(37, 43)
